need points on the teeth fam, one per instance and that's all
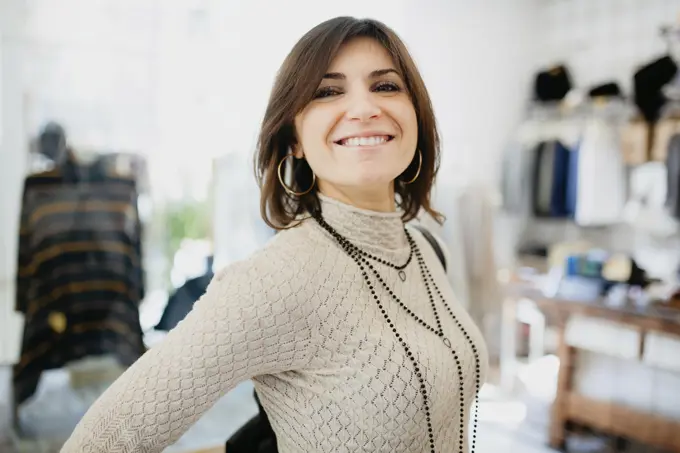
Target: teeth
(364, 141)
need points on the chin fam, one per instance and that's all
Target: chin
(373, 178)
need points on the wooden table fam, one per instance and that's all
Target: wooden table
(209, 450)
(569, 406)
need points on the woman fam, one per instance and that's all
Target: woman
(344, 320)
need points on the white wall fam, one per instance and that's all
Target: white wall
(11, 163)
(477, 58)
(185, 81)
(92, 66)
(604, 39)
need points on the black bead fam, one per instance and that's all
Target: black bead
(360, 256)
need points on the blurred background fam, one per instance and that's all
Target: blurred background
(560, 180)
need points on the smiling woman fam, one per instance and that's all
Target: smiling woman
(360, 131)
(351, 106)
(345, 321)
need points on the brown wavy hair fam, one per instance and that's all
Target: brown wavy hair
(294, 87)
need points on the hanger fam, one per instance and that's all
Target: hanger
(671, 34)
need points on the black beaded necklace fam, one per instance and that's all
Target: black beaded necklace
(362, 259)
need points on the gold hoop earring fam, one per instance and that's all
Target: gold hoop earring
(420, 164)
(288, 189)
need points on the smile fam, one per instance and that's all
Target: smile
(365, 141)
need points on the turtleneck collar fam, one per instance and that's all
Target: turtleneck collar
(377, 230)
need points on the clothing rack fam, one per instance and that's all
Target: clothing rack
(671, 34)
(608, 108)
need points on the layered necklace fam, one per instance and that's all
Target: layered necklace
(364, 261)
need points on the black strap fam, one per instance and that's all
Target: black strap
(433, 243)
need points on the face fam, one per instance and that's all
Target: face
(360, 131)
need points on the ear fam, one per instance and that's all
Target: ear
(297, 151)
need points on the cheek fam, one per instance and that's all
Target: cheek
(408, 122)
(314, 129)
(412, 121)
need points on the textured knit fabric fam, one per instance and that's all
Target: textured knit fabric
(299, 319)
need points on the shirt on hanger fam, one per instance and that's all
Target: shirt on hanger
(601, 191)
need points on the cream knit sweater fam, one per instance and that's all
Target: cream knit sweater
(298, 318)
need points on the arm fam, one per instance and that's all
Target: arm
(246, 324)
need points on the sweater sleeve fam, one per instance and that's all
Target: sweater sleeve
(251, 321)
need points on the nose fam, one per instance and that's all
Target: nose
(362, 108)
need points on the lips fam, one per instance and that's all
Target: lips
(373, 140)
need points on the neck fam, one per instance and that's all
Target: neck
(367, 228)
(377, 200)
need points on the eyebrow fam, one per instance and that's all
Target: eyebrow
(372, 75)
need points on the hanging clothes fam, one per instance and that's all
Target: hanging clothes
(636, 141)
(551, 179)
(516, 177)
(601, 191)
(560, 179)
(673, 178)
(571, 196)
(543, 178)
(647, 207)
(663, 131)
(80, 277)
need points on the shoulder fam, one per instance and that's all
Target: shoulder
(423, 228)
(287, 251)
(289, 266)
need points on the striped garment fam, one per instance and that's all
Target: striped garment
(79, 277)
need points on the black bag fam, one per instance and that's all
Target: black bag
(433, 243)
(257, 435)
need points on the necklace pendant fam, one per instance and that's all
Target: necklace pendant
(402, 275)
(447, 342)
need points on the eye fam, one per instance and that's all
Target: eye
(389, 87)
(325, 92)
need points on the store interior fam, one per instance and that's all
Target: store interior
(559, 181)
